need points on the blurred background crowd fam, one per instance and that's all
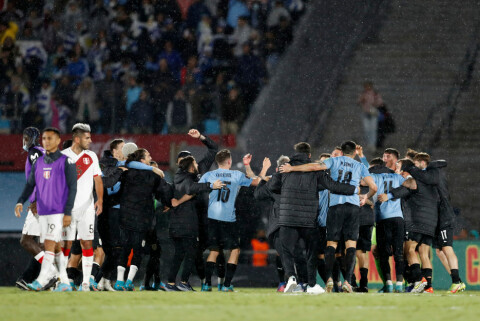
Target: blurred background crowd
(138, 66)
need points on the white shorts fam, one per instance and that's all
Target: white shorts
(51, 227)
(83, 225)
(32, 225)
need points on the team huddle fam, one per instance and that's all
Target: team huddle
(90, 222)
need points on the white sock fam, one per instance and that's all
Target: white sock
(132, 272)
(389, 282)
(61, 267)
(47, 262)
(399, 283)
(221, 280)
(87, 263)
(39, 256)
(120, 273)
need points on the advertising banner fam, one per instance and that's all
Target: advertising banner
(161, 147)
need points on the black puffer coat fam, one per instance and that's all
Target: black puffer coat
(138, 190)
(299, 193)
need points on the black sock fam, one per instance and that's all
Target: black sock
(221, 266)
(427, 274)
(98, 275)
(455, 276)
(32, 271)
(321, 267)
(229, 275)
(415, 273)
(209, 267)
(329, 261)
(280, 270)
(354, 280)
(95, 268)
(407, 275)
(363, 277)
(349, 263)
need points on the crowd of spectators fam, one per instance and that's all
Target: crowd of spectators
(138, 66)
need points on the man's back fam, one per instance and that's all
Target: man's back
(349, 171)
(385, 184)
(299, 196)
(221, 203)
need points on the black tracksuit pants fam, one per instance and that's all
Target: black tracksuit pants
(186, 252)
(289, 237)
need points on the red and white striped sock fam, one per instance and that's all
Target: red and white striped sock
(87, 263)
(39, 256)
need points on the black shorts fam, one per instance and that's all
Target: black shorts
(364, 242)
(419, 238)
(223, 235)
(322, 245)
(342, 220)
(443, 238)
(390, 236)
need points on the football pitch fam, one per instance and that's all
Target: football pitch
(245, 304)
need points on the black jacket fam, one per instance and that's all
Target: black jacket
(405, 195)
(138, 189)
(184, 218)
(299, 193)
(435, 175)
(262, 193)
(423, 203)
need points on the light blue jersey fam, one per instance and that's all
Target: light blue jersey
(385, 183)
(323, 197)
(349, 171)
(221, 203)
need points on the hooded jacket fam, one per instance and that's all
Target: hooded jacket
(184, 219)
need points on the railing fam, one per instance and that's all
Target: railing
(440, 122)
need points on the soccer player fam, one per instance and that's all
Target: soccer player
(84, 210)
(31, 228)
(434, 174)
(53, 178)
(323, 204)
(366, 221)
(342, 218)
(390, 158)
(222, 227)
(390, 228)
(299, 210)
(424, 219)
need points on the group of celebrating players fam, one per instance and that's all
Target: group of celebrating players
(91, 221)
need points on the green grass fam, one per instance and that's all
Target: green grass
(245, 304)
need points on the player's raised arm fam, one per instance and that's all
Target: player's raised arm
(312, 167)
